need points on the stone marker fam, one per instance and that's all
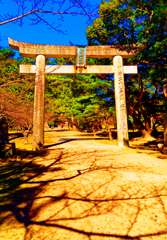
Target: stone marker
(6, 149)
(3, 131)
(120, 100)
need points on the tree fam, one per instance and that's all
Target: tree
(128, 22)
(16, 93)
(80, 99)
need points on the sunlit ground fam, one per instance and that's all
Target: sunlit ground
(83, 187)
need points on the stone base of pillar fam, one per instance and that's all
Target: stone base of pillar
(124, 143)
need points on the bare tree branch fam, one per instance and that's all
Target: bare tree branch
(40, 11)
(51, 26)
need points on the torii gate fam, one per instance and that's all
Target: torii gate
(40, 52)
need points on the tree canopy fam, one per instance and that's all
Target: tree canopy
(128, 22)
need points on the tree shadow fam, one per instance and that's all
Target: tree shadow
(13, 136)
(57, 130)
(66, 140)
(84, 195)
(15, 173)
(134, 134)
(150, 147)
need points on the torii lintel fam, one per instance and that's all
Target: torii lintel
(56, 51)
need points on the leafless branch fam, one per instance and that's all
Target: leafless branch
(45, 12)
(51, 26)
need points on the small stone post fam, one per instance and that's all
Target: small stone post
(4, 139)
(38, 119)
(120, 100)
(6, 149)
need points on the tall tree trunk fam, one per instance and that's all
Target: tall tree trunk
(25, 134)
(108, 129)
(74, 123)
(145, 131)
(74, 127)
(94, 132)
(109, 132)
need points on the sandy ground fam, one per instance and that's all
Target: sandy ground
(87, 189)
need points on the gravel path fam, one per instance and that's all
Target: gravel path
(91, 190)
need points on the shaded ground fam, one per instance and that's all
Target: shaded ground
(84, 188)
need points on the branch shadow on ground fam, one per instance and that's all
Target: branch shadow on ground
(25, 194)
(15, 173)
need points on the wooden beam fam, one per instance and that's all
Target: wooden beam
(55, 51)
(70, 69)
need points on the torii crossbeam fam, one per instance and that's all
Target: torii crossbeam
(41, 52)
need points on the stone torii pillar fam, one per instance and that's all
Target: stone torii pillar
(40, 52)
(39, 98)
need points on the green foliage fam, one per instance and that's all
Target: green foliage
(144, 22)
(79, 96)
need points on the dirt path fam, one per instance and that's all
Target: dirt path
(88, 189)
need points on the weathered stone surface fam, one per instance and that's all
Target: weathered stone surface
(90, 69)
(120, 99)
(55, 51)
(38, 121)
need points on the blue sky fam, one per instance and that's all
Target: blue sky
(75, 27)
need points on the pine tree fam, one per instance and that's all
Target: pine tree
(144, 22)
